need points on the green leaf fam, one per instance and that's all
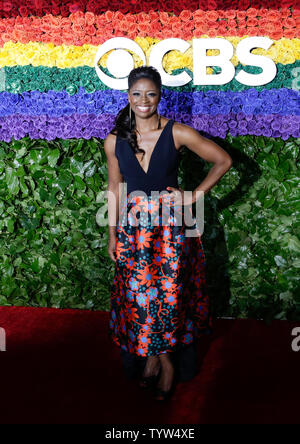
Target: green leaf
(294, 244)
(280, 261)
(10, 223)
(12, 181)
(23, 186)
(79, 183)
(64, 179)
(53, 157)
(269, 201)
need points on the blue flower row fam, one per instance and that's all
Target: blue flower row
(91, 125)
(59, 103)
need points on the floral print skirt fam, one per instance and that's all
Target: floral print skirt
(159, 301)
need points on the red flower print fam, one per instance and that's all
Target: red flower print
(131, 263)
(174, 265)
(143, 238)
(168, 285)
(144, 340)
(132, 313)
(159, 259)
(168, 250)
(157, 244)
(170, 299)
(120, 248)
(142, 300)
(152, 293)
(141, 350)
(166, 233)
(169, 337)
(147, 276)
(149, 320)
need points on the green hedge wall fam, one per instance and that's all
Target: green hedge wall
(54, 254)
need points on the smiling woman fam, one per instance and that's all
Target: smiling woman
(159, 303)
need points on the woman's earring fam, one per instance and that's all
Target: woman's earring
(130, 115)
(158, 115)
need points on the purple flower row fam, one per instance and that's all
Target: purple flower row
(92, 125)
(59, 103)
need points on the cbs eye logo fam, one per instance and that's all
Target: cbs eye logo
(120, 62)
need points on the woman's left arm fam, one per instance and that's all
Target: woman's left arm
(208, 150)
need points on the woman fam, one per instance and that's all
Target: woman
(159, 303)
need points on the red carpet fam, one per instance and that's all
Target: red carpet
(61, 367)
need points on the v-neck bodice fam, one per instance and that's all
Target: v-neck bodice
(163, 165)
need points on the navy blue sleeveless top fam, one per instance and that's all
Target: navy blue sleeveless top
(163, 167)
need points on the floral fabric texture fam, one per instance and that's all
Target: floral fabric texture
(158, 295)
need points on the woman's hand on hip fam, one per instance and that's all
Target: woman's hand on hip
(179, 197)
(112, 248)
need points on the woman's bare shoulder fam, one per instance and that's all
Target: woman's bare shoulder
(110, 143)
(180, 134)
(183, 134)
(182, 128)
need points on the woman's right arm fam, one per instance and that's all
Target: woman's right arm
(115, 178)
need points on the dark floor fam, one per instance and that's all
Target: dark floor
(61, 367)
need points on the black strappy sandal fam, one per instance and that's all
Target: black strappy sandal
(163, 395)
(149, 381)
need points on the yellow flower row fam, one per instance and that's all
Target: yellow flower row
(283, 51)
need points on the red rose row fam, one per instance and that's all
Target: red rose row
(24, 8)
(80, 28)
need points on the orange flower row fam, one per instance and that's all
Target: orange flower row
(87, 28)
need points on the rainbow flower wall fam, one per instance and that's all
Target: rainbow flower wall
(50, 93)
(52, 90)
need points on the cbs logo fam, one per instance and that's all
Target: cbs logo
(120, 62)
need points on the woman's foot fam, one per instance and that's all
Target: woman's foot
(151, 371)
(165, 383)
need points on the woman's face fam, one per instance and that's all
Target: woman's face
(144, 96)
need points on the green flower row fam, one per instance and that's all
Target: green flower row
(18, 79)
